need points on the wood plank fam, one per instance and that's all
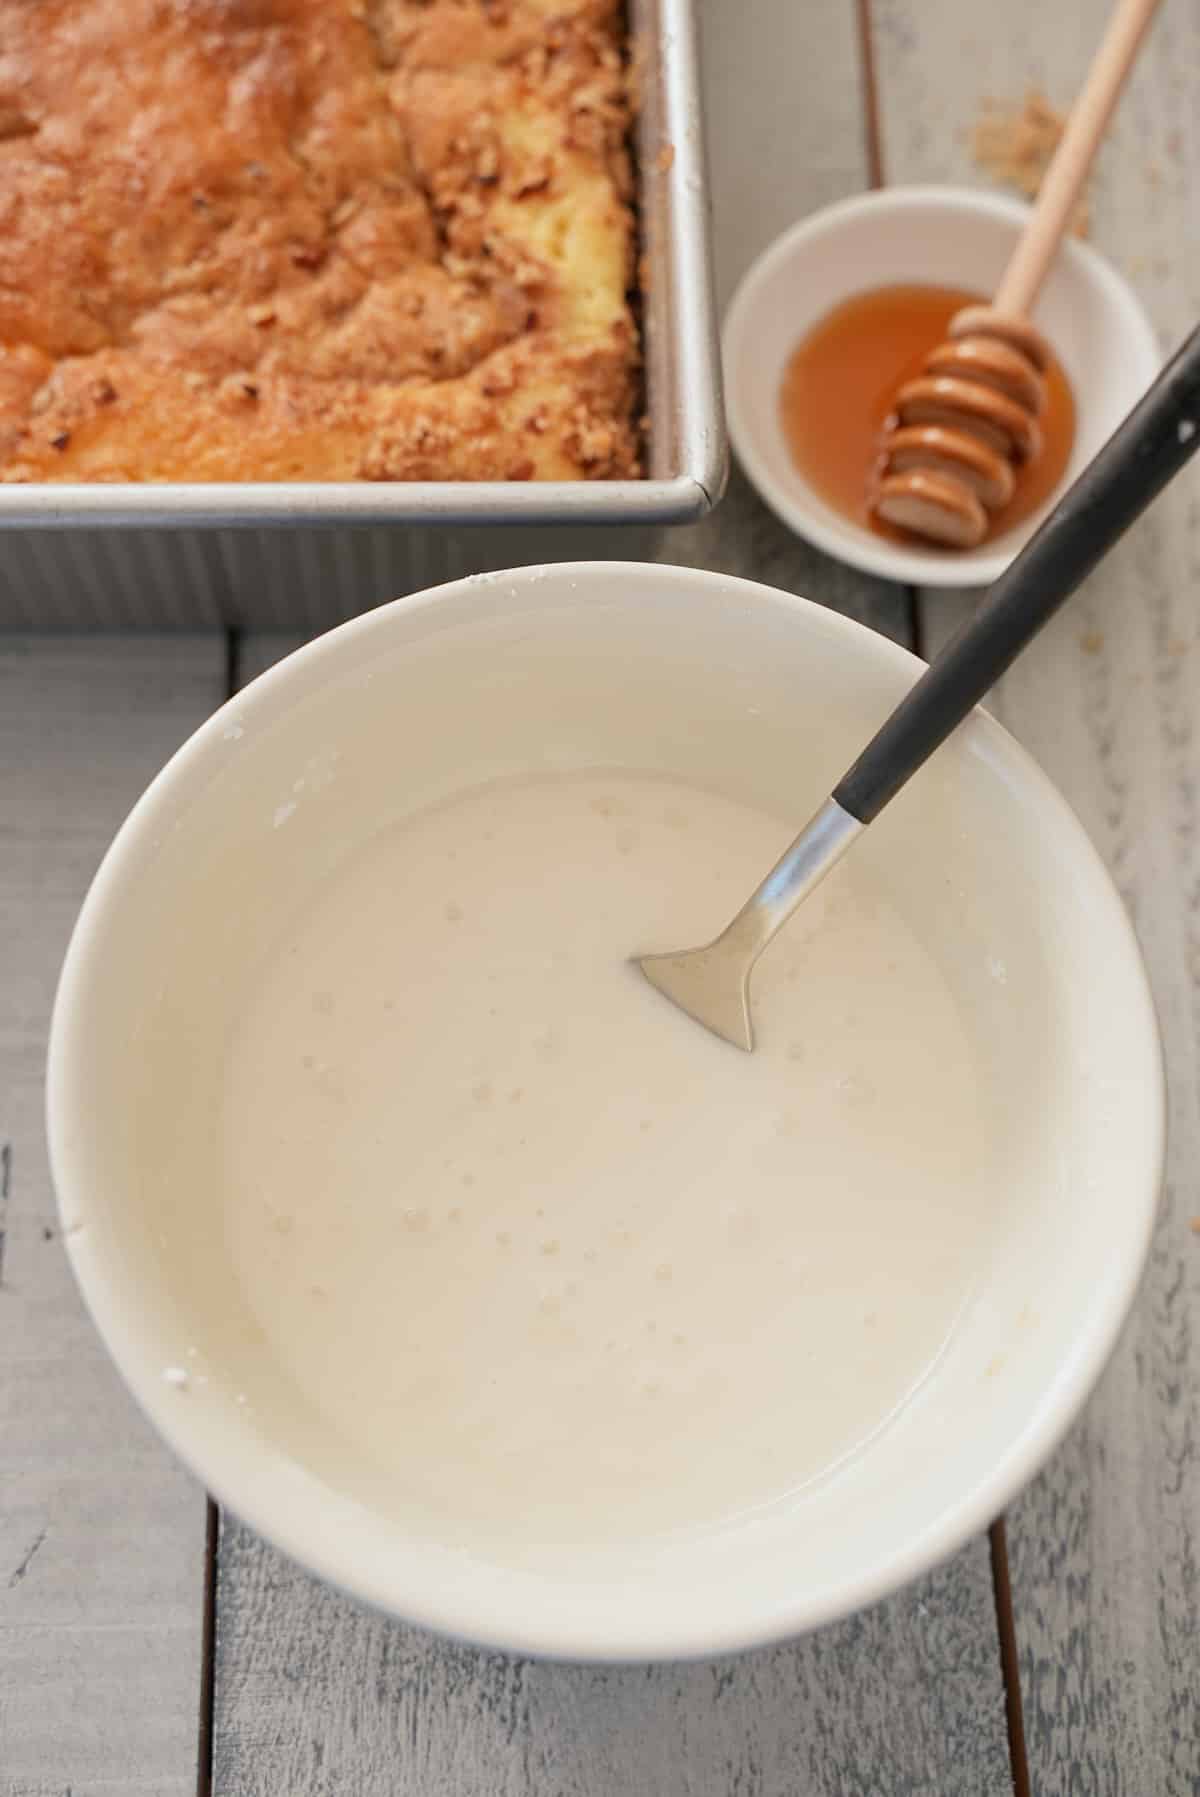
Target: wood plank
(315, 1694)
(938, 64)
(784, 118)
(101, 1534)
(1104, 1546)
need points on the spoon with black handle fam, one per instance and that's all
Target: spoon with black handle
(712, 984)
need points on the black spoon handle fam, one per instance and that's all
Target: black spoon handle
(1156, 439)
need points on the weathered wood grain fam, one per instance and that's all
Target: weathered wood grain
(1105, 1545)
(784, 117)
(317, 1695)
(938, 64)
(314, 1694)
(101, 1535)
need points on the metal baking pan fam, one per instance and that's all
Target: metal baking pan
(301, 555)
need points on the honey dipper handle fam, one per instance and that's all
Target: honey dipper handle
(1158, 437)
(1067, 172)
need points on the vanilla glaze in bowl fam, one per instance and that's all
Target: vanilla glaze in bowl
(477, 1279)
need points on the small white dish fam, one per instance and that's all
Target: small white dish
(714, 681)
(947, 237)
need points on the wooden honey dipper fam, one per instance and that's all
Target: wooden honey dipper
(958, 431)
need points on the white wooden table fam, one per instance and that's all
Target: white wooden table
(142, 1648)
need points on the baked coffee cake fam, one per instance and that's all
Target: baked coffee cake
(265, 240)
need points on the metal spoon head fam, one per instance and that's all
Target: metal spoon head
(711, 984)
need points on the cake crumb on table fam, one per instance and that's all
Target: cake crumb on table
(1014, 145)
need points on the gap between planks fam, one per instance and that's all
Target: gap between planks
(212, 1527)
(208, 1656)
(1010, 1663)
(869, 88)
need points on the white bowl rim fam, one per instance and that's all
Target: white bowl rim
(856, 548)
(333, 1556)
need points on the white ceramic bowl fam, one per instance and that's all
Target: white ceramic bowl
(755, 693)
(945, 237)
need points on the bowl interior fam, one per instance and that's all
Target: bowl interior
(754, 694)
(939, 237)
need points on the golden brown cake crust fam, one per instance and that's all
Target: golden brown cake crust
(255, 240)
